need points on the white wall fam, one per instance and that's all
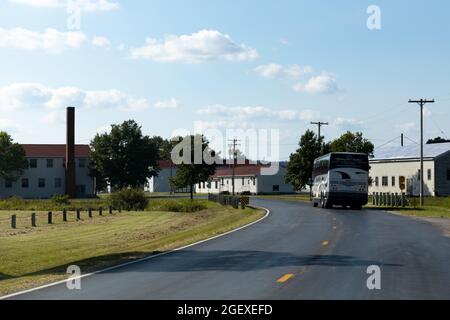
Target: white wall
(410, 170)
(266, 183)
(49, 174)
(242, 184)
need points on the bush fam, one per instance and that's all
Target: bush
(225, 193)
(61, 199)
(128, 199)
(246, 193)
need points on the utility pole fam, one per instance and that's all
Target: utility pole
(319, 125)
(421, 103)
(234, 144)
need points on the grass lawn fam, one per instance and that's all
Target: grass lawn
(30, 257)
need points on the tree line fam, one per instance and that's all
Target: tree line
(311, 146)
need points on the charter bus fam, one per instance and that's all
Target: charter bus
(341, 178)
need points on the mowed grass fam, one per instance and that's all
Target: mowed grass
(30, 257)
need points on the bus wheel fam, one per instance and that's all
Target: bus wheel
(328, 205)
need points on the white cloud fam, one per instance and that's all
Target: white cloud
(274, 70)
(172, 103)
(101, 41)
(348, 123)
(324, 83)
(407, 126)
(34, 95)
(202, 126)
(8, 124)
(84, 5)
(202, 46)
(257, 112)
(50, 41)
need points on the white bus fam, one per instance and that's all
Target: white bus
(341, 178)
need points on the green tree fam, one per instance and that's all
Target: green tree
(164, 147)
(12, 158)
(437, 140)
(192, 171)
(352, 142)
(124, 157)
(300, 165)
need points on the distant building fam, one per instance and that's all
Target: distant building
(160, 183)
(390, 164)
(53, 170)
(248, 178)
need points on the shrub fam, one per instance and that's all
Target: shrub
(225, 193)
(128, 199)
(246, 193)
(61, 199)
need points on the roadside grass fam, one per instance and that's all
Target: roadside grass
(303, 197)
(30, 257)
(435, 207)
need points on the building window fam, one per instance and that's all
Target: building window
(41, 183)
(8, 184)
(419, 175)
(243, 181)
(276, 188)
(25, 183)
(377, 181)
(429, 174)
(58, 183)
(33, 163)
(49, 163)
(254, 181)
(393, 181)
(82, 163)
(217, 184)
(385, 181)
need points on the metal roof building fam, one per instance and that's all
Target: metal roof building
(391, 163)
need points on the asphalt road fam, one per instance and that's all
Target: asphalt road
(298, 252)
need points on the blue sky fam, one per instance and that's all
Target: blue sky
(226, 64)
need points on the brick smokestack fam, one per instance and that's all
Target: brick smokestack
(70, 153)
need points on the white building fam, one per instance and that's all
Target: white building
(248, 178)
(53, 169)
(391, 164)
(160, 183)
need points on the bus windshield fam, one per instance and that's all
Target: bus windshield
(356, 161)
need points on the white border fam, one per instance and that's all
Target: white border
(139, 260)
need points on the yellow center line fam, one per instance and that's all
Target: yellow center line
(325, 243)
(285, 278)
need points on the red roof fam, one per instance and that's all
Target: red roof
(54, 150)
(165, 164)
(249, 170)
